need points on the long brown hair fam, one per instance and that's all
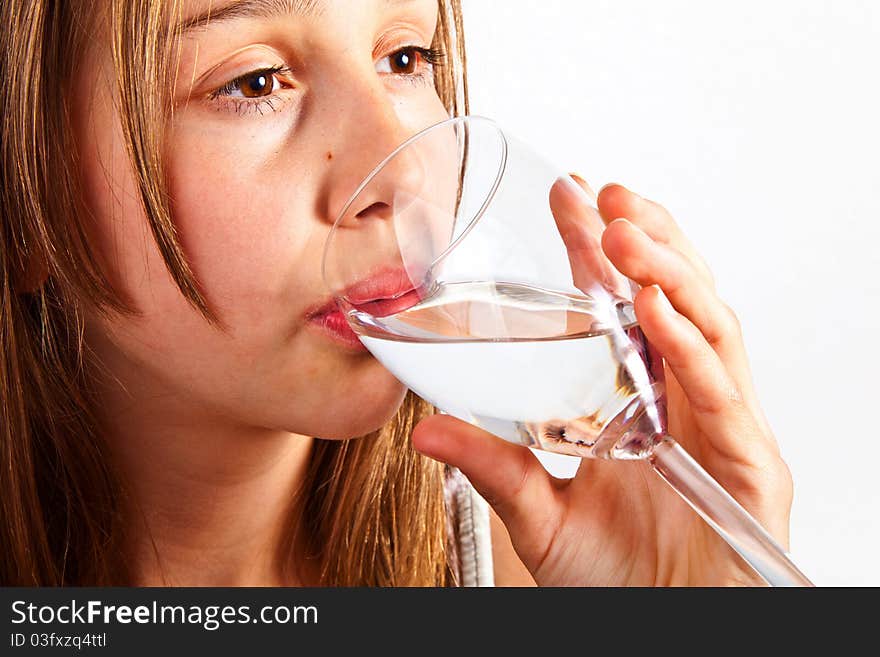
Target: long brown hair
(374, 509)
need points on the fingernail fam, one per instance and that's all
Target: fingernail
(630, 224)
(614, 184)
(581, 181)
(582, 186)
(665, 306)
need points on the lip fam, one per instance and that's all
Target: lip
(387, 284)
(384, 292)
(336, 326)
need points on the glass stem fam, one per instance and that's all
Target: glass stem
(724, 514)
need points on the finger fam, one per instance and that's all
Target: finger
(508, 476)
(718, 321)
(581, 228)
(715, 398)
(651, 260)
(648, 262)
(615, 201)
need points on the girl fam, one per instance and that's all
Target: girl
(173, 412)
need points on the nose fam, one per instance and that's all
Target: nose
(374, 132)
(388, 214)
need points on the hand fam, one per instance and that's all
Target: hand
(616, 523)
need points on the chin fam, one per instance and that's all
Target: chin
(363, 416)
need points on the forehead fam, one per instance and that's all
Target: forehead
(198, 13)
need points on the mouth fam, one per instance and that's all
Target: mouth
(385, 292)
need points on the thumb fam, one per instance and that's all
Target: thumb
(509, 477)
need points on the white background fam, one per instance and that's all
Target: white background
(756, 124)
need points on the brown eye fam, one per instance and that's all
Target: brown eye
(256, 84)
(404, 61)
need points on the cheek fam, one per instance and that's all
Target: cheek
(246, 227)
(420, 109)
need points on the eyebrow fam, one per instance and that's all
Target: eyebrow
(258, 9)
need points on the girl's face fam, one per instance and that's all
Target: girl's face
(280, 108)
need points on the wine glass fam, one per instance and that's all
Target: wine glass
(448, 262)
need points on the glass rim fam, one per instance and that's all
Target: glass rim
(466, 118)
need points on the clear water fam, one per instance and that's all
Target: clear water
(564, 373)
(555, 371)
